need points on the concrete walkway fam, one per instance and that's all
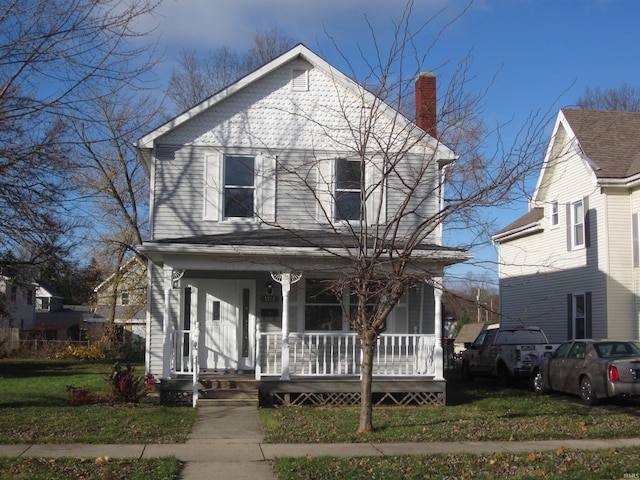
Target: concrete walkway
(227, 442)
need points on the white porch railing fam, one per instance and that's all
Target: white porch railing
(339, 354)
(331, 354)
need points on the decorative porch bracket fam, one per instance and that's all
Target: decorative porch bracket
(171, 281)
(286, 279)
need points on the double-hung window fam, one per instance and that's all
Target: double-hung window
(239, 186)
(348, 189)
(577, 224)
(555, 214)
(322, 310)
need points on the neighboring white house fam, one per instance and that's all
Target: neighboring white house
(48, 300)
(122, 299)
(252, 205)
(17, 309)
(571, 265)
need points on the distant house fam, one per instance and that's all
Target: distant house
(17, 303)
(121, 298)
(47, 299)
(571, 264)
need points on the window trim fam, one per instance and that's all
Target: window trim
(264, 187)
(346, 190)
(554, 214)
(252, 187)
(578, 223)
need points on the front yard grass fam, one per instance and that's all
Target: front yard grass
(562, 463)
(88, 469)
(478, 411)
(33, 401)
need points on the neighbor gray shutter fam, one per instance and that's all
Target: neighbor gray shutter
(587, 222)
(569, 316)
(636, 249)
(569, 225)
(588, 332)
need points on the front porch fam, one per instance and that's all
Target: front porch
(319, 369)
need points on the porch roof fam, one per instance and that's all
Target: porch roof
(290, 243)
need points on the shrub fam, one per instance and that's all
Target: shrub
(126, 386)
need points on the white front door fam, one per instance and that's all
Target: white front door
(227, 324)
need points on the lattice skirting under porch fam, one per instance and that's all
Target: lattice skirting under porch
(348, 394)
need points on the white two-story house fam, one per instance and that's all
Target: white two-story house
(256, 199)
(571, 264)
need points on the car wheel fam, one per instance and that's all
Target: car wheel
(586, 392)
(464, 371)
(538, 383)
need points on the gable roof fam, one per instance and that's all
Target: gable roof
(470, 331)
(525, 225)
(609, 143)
(610, 139)
(145, 144)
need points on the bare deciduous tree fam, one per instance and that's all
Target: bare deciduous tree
(623, 98)
(388, 250)
(55, 56)
(197, 78)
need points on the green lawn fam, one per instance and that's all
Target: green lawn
(478, 411)
(33, 399)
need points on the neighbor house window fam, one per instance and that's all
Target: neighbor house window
(555, 214)
(125, 298)
(580, 316)
(322, 310)
(239, 186)
(347, 194)
(577, 223)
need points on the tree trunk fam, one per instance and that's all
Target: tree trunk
(366, 401)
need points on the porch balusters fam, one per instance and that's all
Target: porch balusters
(338, 354)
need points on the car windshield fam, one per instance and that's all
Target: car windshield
(617, 349)
(520, 337)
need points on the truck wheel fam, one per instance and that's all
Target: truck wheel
(503, 376)
(465, 373)
(538, 383)
(586, 391)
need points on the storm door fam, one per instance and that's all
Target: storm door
(227, 325)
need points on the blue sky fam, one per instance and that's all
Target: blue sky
(543, 53)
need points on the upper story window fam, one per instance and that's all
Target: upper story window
(348, 193)
(555, 214)
(577, 224)
(124, 298)
(240, 187)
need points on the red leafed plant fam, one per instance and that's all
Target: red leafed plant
(127, 387)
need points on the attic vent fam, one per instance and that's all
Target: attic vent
(300, 80)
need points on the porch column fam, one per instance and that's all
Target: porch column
(285, 279)
(438, 353)
(166, 324)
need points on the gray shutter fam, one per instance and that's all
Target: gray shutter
(587, 222)
(636, 248)
(569, 226)
(569, 316)
(588, 331)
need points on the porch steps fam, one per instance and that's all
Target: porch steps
(228, 390)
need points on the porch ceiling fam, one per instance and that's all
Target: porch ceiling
(276, 248)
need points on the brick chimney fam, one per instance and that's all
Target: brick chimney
(426, 112)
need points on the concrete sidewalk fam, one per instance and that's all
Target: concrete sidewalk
(227, 442)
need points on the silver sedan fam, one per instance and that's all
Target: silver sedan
(593, 369)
